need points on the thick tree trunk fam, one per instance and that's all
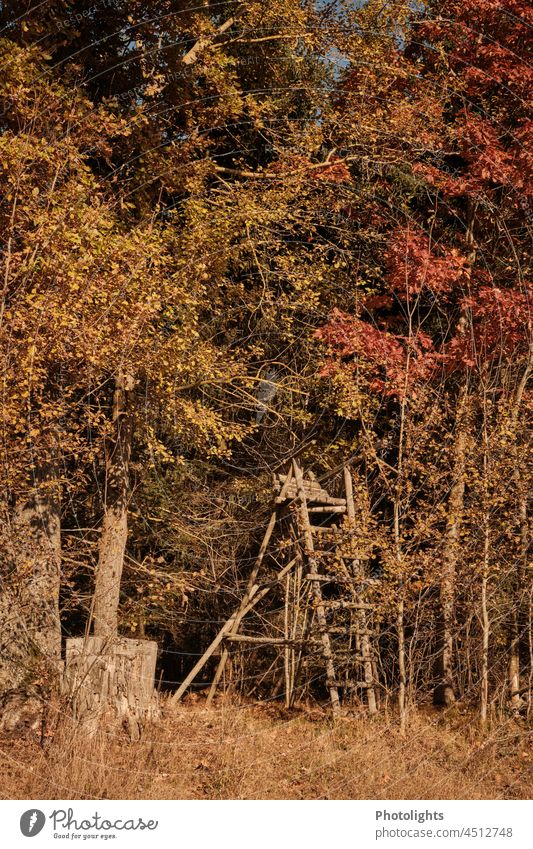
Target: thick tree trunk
(30, 630)
(122, 689)
(444, 693)
(115, 524)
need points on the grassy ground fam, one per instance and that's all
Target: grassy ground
(257, 752)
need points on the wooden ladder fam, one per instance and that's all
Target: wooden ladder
(318, 575)
(315, 578)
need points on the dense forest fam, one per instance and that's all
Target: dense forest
(244, 238)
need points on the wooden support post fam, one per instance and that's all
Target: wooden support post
(287, 652)
(305, 626)
(360, 615)
(317, 592)
(295, 661)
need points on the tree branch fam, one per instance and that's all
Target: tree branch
(192, 55)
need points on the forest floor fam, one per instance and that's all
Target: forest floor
(258, 751)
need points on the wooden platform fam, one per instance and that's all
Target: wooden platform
(315, 494)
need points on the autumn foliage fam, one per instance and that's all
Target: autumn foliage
(338, 203)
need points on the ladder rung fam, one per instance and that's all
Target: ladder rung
(259, 640)
(349, 653)
(315, 576)
(332, 552)
(347, 605)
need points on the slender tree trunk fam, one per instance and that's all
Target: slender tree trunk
(485, 621)
(401, 667)
(523, 521)
(515, 625)
(530, 653)
(518, 587)
(444, 693)
(400, 626)
(514, 662)
(400, 610)
(364, 647)
(485, 625)
(115, 524)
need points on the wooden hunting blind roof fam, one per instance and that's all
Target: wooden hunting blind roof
(315, 494)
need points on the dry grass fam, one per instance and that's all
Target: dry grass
(257, 752)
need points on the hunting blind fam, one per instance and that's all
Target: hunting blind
(327, 614)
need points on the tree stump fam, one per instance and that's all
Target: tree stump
(111, 680)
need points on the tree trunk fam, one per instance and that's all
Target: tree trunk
(30, 629)
(520, 577)
(485, 625)
(115, 524)
(517, 628)
(365, 648)
(444, 693)
(400, 629)
(122, 689)
(402, 688)
(485, 621)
